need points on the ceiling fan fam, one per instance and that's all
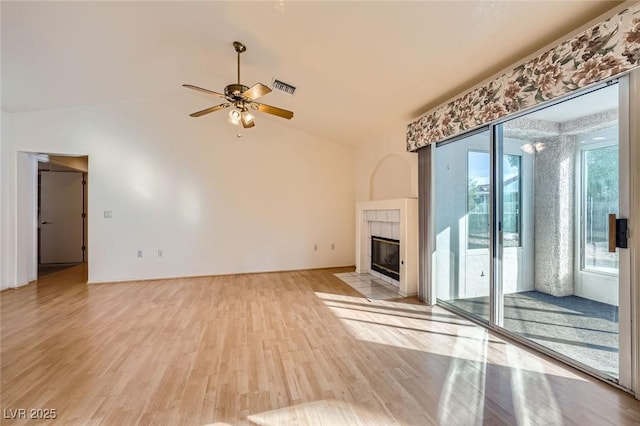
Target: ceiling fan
(241, 98)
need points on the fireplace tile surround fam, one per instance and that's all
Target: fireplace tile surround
(393, 219)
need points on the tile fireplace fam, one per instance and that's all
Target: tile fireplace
(386, 235)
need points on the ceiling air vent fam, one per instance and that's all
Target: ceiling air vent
(283, 87)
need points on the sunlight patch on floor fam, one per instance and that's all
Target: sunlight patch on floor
(324, 412)
(530, 391)
(406, 326)
(431, 329)
(462, 400)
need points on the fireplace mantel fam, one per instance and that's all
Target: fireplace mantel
(408, 237)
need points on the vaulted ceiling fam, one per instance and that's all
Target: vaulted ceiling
(362, 69)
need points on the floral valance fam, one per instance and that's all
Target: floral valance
(605, 50)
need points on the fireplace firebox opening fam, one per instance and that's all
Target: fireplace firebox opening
(385, 256)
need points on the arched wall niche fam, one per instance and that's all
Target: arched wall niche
(390, 179)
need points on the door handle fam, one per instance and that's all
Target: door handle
(44, 222)
(612, 232)
(618, 233)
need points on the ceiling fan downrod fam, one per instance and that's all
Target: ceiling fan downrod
(239, 48)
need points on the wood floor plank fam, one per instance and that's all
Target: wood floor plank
(279, 348)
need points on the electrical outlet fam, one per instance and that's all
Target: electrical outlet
(139, 253)
(107, 214)
(315, 247)
(159, 252)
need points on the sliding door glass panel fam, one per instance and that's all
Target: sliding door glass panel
(462, 211)
(559, 283)
(516, 191)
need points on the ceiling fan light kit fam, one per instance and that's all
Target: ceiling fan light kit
(241, 98)
(234, 117)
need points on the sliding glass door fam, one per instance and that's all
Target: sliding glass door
(543, 272)
(462, 224)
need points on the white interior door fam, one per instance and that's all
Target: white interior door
(60, 220)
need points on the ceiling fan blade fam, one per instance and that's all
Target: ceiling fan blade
(200, 89)
(256, 91)
(273, 110)
(208, 110)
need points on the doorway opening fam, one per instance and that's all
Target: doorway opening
(61, 212)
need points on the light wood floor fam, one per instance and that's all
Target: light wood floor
(291, 348)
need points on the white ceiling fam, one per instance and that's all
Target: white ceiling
(363, 69)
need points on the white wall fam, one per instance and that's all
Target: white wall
(3, 132)
(7, 215)
(26, 196)
(212, 202)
